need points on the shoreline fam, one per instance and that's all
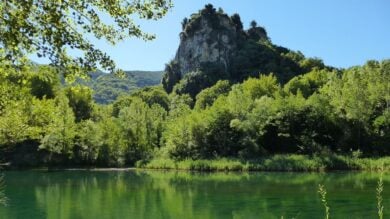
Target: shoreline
(275, 163)
(126, 169)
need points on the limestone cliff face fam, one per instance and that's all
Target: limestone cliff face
(206, 39)
(214, 46)
(210, 43)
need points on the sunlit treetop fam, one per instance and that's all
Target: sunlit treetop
(50, 28)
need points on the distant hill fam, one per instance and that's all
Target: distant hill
(108, 87)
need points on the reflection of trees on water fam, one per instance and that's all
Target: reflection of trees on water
(193, 195)
(3, 198)
(159, 194)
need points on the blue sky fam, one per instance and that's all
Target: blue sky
(341, 32)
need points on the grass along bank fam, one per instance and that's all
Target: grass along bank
(291, 162)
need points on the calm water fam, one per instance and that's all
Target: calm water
(156, 194)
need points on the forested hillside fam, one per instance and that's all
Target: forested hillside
(107, 87)
(41, 122)
(215, 46)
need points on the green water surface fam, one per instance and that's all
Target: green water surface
(159, 194)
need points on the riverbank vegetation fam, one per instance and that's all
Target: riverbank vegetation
(342, 112)
(271, 103)
(294, 162)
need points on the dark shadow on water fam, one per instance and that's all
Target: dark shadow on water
(3, 197)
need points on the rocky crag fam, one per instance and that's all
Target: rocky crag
(214, 46)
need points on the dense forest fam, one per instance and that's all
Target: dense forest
(271, 100)
(344, 111)
(108, 87)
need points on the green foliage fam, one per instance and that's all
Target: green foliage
(257, 33)
(264, 86)
(205, 134)
(14, 123)
(314, 115)
(322, 192)
(121, 102)
(298, 126)
(62, 130)
(107, 87)
(50, 28)
(308, 83)
(171, 76)
(310, 64)
(379, 191)
(80, 100)
(255, 56)
(149, 95)
(153, 95)
(209, 13)
(44, 82)
(88, 142)
(360, 96)
(272, 163)
(207, 96)
(141, 127)
(259, 117)
(237, 21)
(193, 82)
(180, 105)
(112, 150)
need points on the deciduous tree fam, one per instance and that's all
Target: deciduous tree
(51, 28)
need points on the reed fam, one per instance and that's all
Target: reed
(379, 191)
(285, 162)
(322, 192)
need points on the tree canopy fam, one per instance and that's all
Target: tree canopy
(207, 114)
(343, 112)
(51, 28)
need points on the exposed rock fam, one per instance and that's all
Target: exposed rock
(214, 41)
(208, 43)
(214, 46)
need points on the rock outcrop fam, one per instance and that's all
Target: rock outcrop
(209, 37)
(215, 41)
(214, 46)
